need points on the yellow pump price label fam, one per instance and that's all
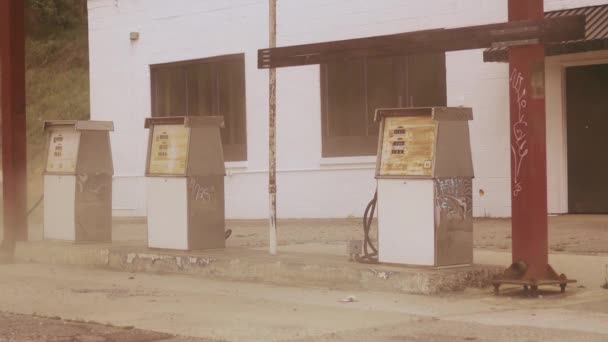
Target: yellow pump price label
(63, 151)
(169, 151)
(408, 146)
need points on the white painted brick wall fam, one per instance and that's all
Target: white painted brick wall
(307, 185)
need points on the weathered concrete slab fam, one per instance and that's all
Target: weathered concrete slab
(244, 264)
(312, 253)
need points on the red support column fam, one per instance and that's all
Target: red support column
(528, 146)
(528, 159)
(12, 87)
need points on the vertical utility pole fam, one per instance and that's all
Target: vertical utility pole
(272, 122)
(530, 266)
(12, 96)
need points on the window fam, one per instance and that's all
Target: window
(352, 90)
(214, 86)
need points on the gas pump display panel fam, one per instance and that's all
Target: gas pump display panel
(63, 151)
(408, 145)
(169, 150)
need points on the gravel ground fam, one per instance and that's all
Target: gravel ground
(22, 328)
(574, 234)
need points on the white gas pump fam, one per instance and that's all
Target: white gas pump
(185, 183)
(78, 181)
(424, 174)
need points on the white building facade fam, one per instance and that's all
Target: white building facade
(197, 57)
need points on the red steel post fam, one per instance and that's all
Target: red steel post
(12, 87)
(528, 147)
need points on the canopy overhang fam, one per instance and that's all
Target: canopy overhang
(595, 37)
(526, 32)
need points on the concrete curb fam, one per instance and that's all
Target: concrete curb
(255, 266)
(288, 272)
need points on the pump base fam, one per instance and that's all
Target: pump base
(516, 275)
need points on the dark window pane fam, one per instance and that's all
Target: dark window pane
(226, 96)
(353, 90)
(382, 91)
(346, 99)
(427, 86)
(200, 89)
(206, 87)
(170, 92)
(231, 101)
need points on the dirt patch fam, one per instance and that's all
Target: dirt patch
(15, 327)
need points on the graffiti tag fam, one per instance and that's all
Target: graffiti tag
(201, 192)
(519, 143)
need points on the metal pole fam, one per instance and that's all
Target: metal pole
(12, 97)
(528, 148)
(272, 108)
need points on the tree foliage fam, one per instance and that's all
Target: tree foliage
(49, 16)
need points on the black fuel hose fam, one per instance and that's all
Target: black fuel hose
(368, 218)
(35, 205)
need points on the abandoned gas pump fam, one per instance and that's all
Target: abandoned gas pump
(185, 183)
(424, 174)
(78, 181)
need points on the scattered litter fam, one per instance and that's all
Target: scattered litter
(349, 299)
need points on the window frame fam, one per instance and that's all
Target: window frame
(232, 152)
(367, 145)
